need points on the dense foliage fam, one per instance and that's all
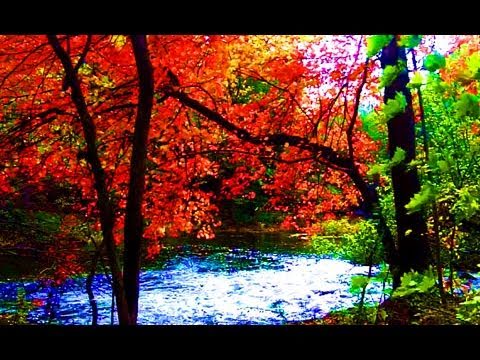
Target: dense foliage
(291, 132)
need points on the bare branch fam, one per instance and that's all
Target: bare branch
(83, 55)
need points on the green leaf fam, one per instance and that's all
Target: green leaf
(473, 64)
(434, 61)
(415, 163)
(376, 169)
(435, 82)
(407, 279)
(395, 106)
(389, 74)
(416, 81)
(426, 284)
(443, 165)
(468, 105)
(467, 203)
(375, 43)
(409, 41)
(398, 156)
(358, 283)
(413, 282)
(420, 199)
(370, 123)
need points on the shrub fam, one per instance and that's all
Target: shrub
(357, 242)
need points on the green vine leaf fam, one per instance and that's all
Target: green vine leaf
(370, 124)
(390, 73)
(358, 283)
(395, 106)
(414, 282)
(443, 165)
(376, 169)
(420, 199)
(398, 156)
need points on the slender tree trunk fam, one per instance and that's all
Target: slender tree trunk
(88, 286)
(413, 247)
(133, 229)
(436, 220)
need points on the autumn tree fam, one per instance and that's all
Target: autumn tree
(154, 131)
(125, 283)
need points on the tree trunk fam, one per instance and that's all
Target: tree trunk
(104, 205)
(133, 230)
(413, 247)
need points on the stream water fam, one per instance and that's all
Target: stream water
(235, 280)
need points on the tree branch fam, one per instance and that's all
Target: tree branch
(83, 55)
(351, 125)
(327, 154)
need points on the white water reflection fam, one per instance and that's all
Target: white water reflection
(304, 288)
(293, 287)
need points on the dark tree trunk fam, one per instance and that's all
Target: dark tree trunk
(133, 230)
(413, 247)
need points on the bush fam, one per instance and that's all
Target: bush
(355, 242)
(469, 310)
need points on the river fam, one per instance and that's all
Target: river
(237, 279)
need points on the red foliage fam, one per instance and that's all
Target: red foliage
(311, 84)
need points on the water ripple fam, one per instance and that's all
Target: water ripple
(231, 287)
